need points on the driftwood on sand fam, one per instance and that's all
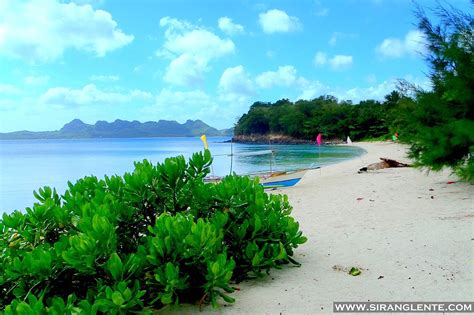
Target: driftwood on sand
(385, 163)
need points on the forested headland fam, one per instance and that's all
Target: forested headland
(335, 119)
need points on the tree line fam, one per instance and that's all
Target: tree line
(335, 119)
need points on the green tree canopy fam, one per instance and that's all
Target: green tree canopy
(444, 117)
(336, 119)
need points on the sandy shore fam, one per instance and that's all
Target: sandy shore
(411, 234)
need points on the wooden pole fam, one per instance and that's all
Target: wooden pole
(231, 156)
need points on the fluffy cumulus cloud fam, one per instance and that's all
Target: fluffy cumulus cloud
(191, 50)
(90, 95)
(287, 76)
(41, 30)
(230, 28)
(320, 59)
(337, 62)
(310, 89)
(278, 21)
(284, 76)
(413, 44)
(235, 83)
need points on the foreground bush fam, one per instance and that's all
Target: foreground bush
(157, 236)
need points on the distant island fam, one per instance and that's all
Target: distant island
(123, 129)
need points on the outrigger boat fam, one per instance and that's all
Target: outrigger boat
(283, 179)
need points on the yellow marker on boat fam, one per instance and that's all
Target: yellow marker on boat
(204, 141)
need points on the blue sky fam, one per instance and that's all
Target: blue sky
(208, 60)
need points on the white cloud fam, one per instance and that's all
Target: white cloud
(186, 70)
(278, 21)
(376, 92)
(420, 82)
(284, 76)
(339, 62)
(90, 95)
(174, 25)
(287, 76)
(191, 50)
(413, 44)
(36, 79)
(310, 89)
(41, 30)
(391, 47)
(199, 42)
(235, 87)
(230, 28)
(320, 59)
(104, 78)
(9, 89)
(235, 80)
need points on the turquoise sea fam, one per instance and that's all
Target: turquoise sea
(26, 165)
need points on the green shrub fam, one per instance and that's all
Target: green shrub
(157, 236)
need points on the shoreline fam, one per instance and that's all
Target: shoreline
(410, 233)
(278, 139)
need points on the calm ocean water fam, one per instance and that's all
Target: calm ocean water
(26, 165)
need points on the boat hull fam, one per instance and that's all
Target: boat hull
(281, 183)
(283, 179)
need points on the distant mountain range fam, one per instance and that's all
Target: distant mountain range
(123, 129)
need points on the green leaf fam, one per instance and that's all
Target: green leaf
(115, 267)
(167, 298)
(258, 225)
(354, 271)
(171, 271)
(117, 298)
(256, 260)
(227, 298)
(215, 268)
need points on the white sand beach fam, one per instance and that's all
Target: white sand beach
(408, 231)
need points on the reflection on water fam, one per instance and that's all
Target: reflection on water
(26, 165)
